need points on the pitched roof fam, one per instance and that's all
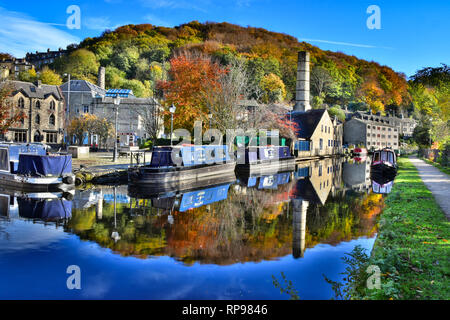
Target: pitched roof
(83, 85)
(33, 91)
(307, 122)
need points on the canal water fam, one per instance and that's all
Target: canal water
(223, 240)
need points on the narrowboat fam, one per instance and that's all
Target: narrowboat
(359, 152)
(384, 166)
(29, 167)
(180, 166)
(259, 160)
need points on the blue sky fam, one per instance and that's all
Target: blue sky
(413, 34)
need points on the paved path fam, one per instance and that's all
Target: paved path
(436, 181)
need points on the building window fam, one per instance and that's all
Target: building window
(368, 127)
(320, 171)
(52, 120)
(20, 136)
(21, 103)
(321, 144)
(37, 137)
(51, 137)
(322, 128)
(38, 104)
(37, 120)
(85, 109)
(52, 106)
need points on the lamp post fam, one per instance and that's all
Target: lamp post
(210, 119)
(68, 107)
(172, 110)
(116, 101)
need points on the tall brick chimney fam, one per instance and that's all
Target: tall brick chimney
(101, 77)
(302, 89)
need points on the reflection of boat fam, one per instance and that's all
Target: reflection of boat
(154, 191)
(185, 200)
(30, 168)
(384, 166)
(265, 159)
(43, 206)
(382, 188)
(266, 181)
(175, 167)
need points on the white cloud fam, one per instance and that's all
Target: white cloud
(97, 23)
(20, 34)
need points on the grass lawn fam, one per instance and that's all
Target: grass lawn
(412, 248)
(438, 165)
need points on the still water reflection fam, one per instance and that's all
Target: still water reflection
(221, 240)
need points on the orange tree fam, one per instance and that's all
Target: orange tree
(192, 79)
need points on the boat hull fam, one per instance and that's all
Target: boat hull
(150, 191)
(36, 184)
(175, 178)
(383, 172)
(267, 166)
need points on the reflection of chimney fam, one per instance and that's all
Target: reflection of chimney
(300, 207)
(101, 77)
(302, 89)
(100, 206)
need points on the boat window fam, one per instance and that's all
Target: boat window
(391, 157)
(384, 156)
(4, 160)
(376, 156)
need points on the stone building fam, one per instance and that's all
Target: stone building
(371, 131)
(11, 68)
(84, 97)
(41, 59)
(321, 135)
(43, 107)
(406, 126)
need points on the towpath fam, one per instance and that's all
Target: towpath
(436, 181)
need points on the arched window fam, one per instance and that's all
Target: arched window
(21, 103)
(52, 105)
(37, 137)
(37, 120)
(38, 104)
(51, 120)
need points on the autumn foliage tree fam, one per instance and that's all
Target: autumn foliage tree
(192, 79)
(6, 118)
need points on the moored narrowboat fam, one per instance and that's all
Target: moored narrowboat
(384, 166)
(29, 167)
(265, 159)
(178, 166)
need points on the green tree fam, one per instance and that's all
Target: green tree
(81, 64)
(50, 77)
(273, 89)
